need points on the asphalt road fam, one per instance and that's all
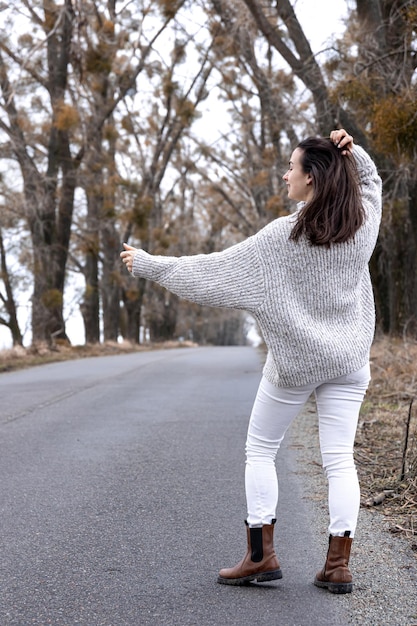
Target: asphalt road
(122, 496)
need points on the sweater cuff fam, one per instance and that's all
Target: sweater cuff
(363, 160)
(149, 266)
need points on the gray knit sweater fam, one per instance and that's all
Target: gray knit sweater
(314, 305)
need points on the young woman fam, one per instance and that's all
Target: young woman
(305, 279)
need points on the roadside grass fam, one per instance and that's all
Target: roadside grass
(386, 442)
(39, 354)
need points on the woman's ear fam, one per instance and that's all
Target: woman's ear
(309, 179)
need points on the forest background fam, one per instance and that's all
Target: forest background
(106, 136)
(168, 124)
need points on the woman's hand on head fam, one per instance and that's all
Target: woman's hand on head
(342, 140)
(128, 255)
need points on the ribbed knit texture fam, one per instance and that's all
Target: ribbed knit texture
(314, 305)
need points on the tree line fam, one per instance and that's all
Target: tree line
(103, 140)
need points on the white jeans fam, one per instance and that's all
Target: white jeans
(338, 404)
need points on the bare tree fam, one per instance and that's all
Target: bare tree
(49, 181)
(377, 86)
(157, 139)
(367, 85)
(7, 298)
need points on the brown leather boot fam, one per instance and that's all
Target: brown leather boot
(260, 562)
(336, 576)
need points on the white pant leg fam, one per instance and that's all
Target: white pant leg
(273, 411)
(338, 405)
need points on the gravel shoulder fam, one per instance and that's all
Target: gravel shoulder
(384, 566)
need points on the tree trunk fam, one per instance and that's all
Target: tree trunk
(110, 288)
(304, 65)
(50, 234)
(133, 300)
(163, 321)
(110, 280)
(9, 303)
(90, 307)
(387, 65)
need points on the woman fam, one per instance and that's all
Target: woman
(305, 279)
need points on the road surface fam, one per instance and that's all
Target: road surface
(122, 496)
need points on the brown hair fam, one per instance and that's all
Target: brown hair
(335, 212)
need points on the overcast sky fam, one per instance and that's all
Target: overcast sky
(321, 19)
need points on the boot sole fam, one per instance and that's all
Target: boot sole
(262, 577)
(335, 587)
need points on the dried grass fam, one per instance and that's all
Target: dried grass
(40, 353)
(386, 443)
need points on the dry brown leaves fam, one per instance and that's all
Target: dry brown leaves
(385, 456)
(40, 353)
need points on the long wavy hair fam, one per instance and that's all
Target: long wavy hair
(335, 212)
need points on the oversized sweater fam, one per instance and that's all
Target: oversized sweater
(314, 304)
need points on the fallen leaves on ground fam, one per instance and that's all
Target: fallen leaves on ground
(386, 442)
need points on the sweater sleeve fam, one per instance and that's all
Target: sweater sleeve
(370, 182)
(232, 278)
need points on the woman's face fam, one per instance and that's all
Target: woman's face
(299, 184)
